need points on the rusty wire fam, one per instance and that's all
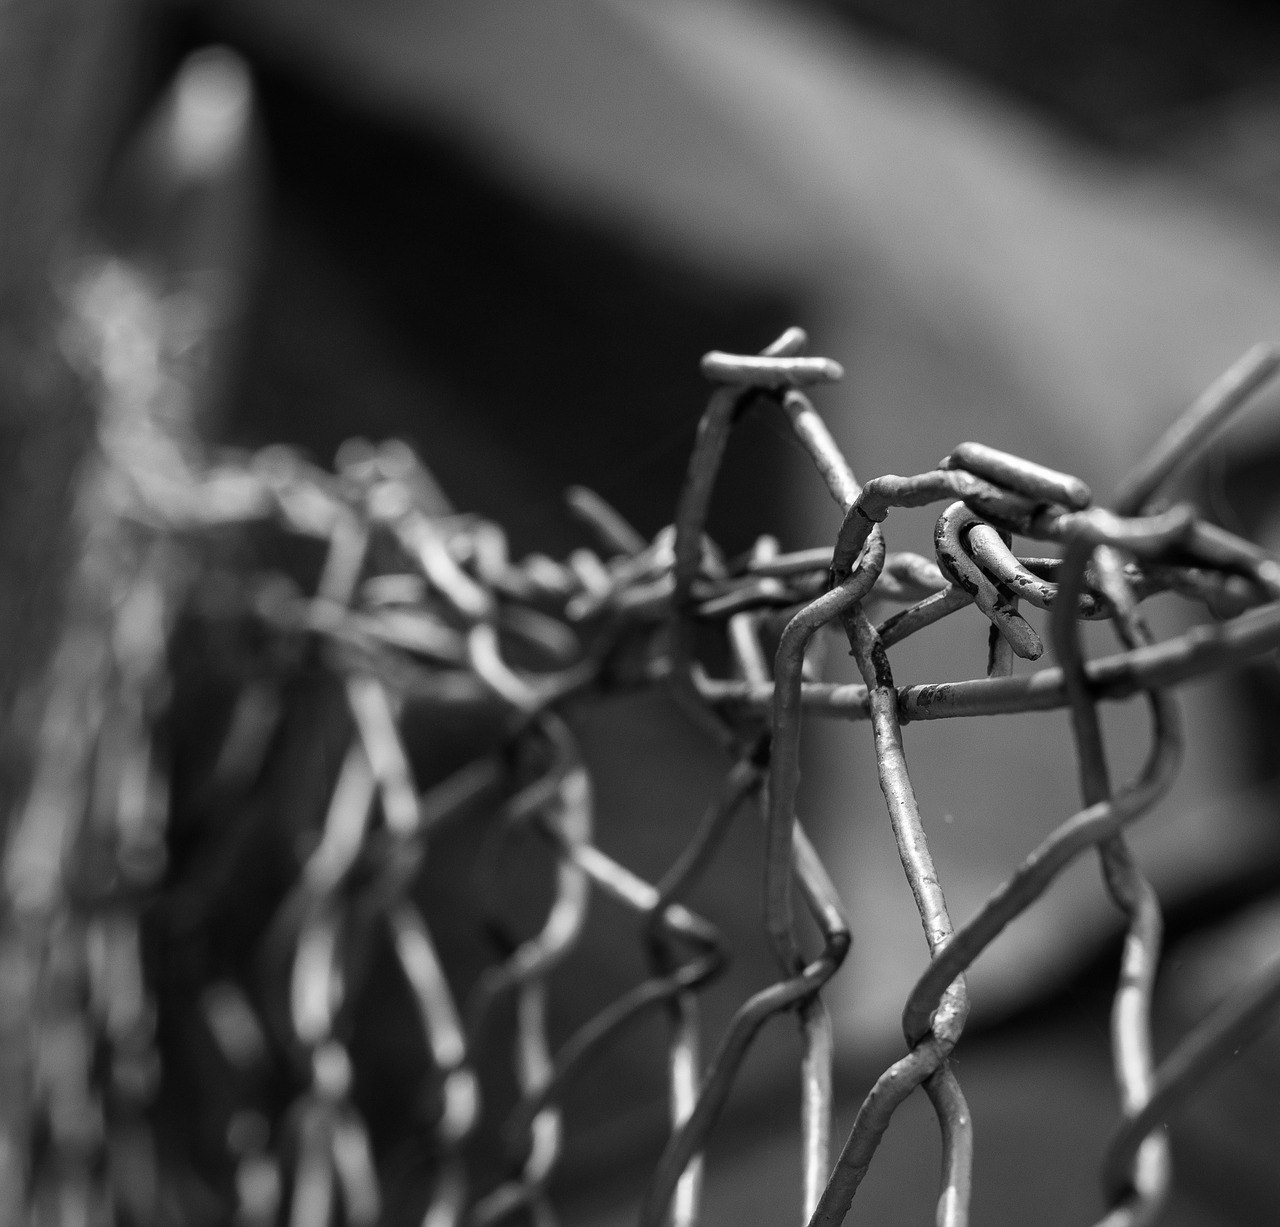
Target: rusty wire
(417, 604)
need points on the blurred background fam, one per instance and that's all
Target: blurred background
(506, 232)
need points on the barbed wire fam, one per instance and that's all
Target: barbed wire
(416, 605)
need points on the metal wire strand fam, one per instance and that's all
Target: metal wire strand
(1228, 393)
(614, 532)
(827, 457)
(948, 1022)
(1131, 1010)
(784, 762)
(953, 558)
(1171, 662)
(1019, 475)
(717, 1083)
(816, 1071)
(1197, 1057)
(989, 550)
(1042, 867)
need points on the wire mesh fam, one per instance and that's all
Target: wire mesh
(414, 606)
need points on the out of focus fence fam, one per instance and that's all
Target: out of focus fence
(366, 582)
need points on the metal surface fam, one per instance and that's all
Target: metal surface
(418, 607)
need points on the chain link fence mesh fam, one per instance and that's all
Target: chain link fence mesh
(404, 606)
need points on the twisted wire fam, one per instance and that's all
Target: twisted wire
(416, 608)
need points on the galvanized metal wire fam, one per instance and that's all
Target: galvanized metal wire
(416, 604)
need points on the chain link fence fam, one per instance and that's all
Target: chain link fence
(402, 606)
